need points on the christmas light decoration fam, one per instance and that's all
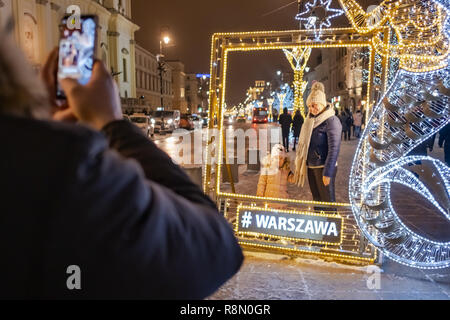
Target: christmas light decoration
(284, 98)
(318, 21)
(354, 249)
(415, 108)
(298, 59)
(420, 26)
(359, 63)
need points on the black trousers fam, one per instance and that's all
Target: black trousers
(347, 134)
(285, 134)
(295, 142)
(320, 192)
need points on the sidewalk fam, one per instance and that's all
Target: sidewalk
(275, 277)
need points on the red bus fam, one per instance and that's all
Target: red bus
(260, 115)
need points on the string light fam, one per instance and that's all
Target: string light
(418, 34)
(316, 23)
(384, 163)
(298, 59)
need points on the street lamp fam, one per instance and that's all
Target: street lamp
(165, 40)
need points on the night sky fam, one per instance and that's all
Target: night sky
(192, 23)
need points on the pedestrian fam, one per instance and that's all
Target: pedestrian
(275, 115)
(286, 121)
(444, 142)
(297, 126)
(357, 121)
(105, 209)
(344, 118)
(319, 146)
(351, 130)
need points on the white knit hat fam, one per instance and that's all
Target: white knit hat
(317, 95)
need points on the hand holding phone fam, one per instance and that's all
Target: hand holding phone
(97, 103)
(76, 52)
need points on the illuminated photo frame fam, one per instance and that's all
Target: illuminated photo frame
(226, 43)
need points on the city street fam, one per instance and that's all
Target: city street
(357, 208)
(273, 276)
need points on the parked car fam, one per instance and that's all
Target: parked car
(144, 122)
(186, 122)
(241, 119)
(166, 121)
(198, 122)
(228, 120)
(205, 119)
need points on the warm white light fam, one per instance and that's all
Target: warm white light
(166, 40)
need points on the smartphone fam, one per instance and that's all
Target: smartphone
(77, 50)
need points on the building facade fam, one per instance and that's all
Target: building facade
(342, 76)
(192, 93)
(148, 81)
(37, 32)
(179, 86)
(204, 81)
(197, 92)
(256, 92)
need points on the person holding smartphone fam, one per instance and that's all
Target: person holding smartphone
(98, 197)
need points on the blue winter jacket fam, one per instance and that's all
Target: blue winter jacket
(325, 145)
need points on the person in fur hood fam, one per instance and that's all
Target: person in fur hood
(97, 194)
(275, 174)
(319, 146)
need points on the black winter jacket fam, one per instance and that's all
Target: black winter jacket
(325, 146)
(125, 214)
(286, 121)
(297, 124)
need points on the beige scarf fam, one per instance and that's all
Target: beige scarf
(303, 144)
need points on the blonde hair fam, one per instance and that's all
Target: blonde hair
(22, 92)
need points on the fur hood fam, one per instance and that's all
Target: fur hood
(22, 92)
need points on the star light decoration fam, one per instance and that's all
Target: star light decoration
(314, 19)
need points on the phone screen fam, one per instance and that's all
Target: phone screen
(77, 52)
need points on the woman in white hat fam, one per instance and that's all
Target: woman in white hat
(319, 146)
